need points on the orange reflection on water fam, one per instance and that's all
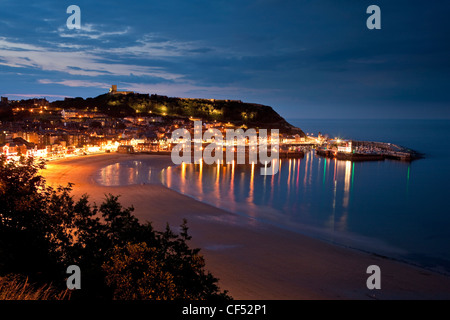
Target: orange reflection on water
(347, 189)
(231, 191)
(279, 172)
(348, 175)
(252, 181)
(218, 172)
(340, 223)
(169, 177)
(306, 170)
(183, 177)
(272, 181)
(217, 185)
(289, 178)
(230, 185)
(200, 179)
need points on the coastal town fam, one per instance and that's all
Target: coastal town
(37, 129)
(45, 132)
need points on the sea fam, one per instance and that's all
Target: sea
(400, 210)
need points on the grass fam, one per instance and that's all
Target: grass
(14, 287)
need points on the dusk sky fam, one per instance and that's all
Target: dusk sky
(306, 59)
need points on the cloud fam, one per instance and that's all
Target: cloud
(155, 46)
(76, 83)
(158, 64)
(22, 55)
(34, 95)
(170, 89)
(191, 90)
(90, 31)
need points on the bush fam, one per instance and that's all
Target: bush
(134, 273)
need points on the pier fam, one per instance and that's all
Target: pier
(368, 151)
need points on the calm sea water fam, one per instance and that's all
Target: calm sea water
(393, 208)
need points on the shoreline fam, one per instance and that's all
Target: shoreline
(389, 252)
(254, 260)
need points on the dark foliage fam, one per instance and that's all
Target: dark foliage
(43, 231)
(234, 111)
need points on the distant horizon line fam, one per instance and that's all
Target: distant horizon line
(324, 119)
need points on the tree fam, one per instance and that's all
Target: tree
(34, 219)
(134, 273)
(43, 230)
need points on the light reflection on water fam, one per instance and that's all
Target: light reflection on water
(388, 207)
(286, 195)
(125, 173)
(366, 205)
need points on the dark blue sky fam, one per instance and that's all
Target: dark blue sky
(306, 58)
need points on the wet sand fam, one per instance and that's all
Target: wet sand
(253, 260)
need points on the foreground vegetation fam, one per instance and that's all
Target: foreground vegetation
(43, 230)
(15, 287)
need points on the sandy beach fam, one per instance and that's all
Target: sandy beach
(253, 260)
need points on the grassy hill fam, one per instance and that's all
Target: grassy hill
(234, 111)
